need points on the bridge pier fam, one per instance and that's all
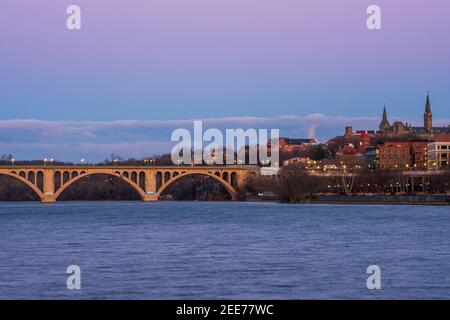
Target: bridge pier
(49, 186)
(48, 199)
(150, 198)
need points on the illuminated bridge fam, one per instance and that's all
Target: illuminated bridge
(48, 182)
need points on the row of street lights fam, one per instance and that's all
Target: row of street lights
(48, 160)
(13, 161)
(147, 162)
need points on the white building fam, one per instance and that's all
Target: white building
(439, 155)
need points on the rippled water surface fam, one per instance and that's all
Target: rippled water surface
(207, 250)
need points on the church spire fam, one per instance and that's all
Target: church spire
(385, 114)
(427, 116)
(427, 104)
(384, 124)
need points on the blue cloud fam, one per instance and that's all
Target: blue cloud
(96, 140)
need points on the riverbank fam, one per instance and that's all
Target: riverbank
(383, 199)
(439, 200)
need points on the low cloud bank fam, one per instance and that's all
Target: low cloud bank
(96, 140)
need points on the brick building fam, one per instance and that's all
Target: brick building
(403, 155)
(356, 143)
(291, 145)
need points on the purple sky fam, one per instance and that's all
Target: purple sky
(192, 59)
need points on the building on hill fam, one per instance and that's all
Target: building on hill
(395, 145)
(403, 154)
(292, 145)
(439, 155)
(356, 142)
(427, 131)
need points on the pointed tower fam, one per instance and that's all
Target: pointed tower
(384, 124)
(428, 116)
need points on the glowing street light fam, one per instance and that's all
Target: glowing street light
(12, 161)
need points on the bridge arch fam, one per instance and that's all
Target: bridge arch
(115, 174)
(232, 191)
(39, 193)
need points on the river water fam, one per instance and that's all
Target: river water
(223, 250)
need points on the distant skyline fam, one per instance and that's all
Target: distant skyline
(94, 141)
(169, 60)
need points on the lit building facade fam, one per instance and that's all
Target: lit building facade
(403, 155)
(439, 155)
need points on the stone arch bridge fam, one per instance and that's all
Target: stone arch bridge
(49, 182)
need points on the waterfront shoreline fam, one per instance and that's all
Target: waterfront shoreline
(384, 203)
(254, 200)
(434, 200)
(405, 203)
